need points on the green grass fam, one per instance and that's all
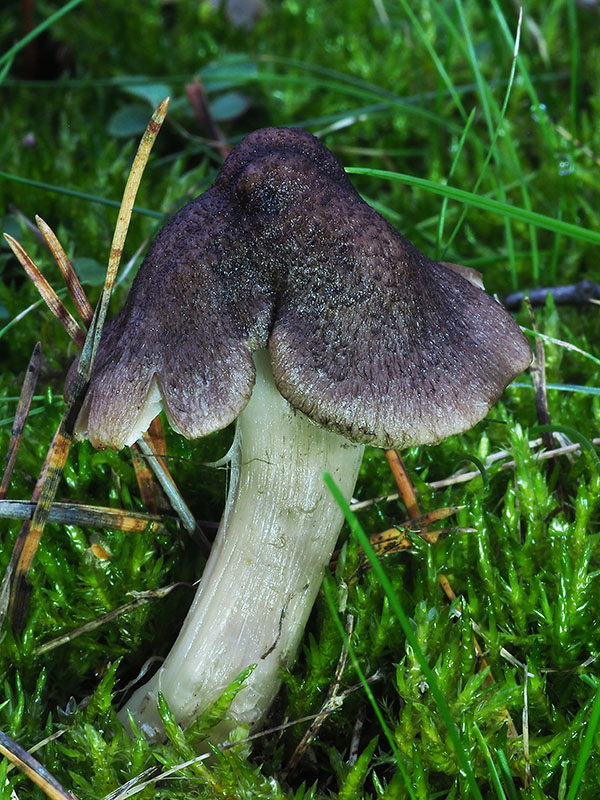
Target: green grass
(481, 154)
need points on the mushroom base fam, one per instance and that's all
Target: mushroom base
(264, 572)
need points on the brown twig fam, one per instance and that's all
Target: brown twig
(332, 702)
(538, 378)
(406, 490)
(140, 598)
(405, 487)
(52, 300)
(37, 773)
(81, 514)
(201, 107)
(82, 304)
(464, 477)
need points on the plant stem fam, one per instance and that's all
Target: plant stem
(276, 537)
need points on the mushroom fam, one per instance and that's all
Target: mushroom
(281, 299)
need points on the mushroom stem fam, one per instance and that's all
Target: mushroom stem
(276, 537)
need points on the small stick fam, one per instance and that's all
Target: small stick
(332, 701)
(37, 773)
(81, 514)
(21, 414)
(464, 477)
(169, 486)
(139, 599)
(85, 310)
(575, 294)
(201, 107)
(403, 482)
(407, 490)
(538, 378)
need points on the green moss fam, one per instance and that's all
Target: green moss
(361, 75)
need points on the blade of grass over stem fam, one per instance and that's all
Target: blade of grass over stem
(494, 777)
(403, 620)
(484, 203)
(330, 596)
(586, 748)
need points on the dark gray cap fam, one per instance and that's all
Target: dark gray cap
(367, 336)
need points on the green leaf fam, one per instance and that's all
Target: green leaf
(154, 93)
(90, 271)
(229, 106)
(131, 120)
(228, 72)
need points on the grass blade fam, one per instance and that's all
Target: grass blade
(91, 198)
(484, 203)
(330, 596)
(363, 540)
(586, 748)
(494, 777)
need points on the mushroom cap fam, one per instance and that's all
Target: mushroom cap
(367, 336)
